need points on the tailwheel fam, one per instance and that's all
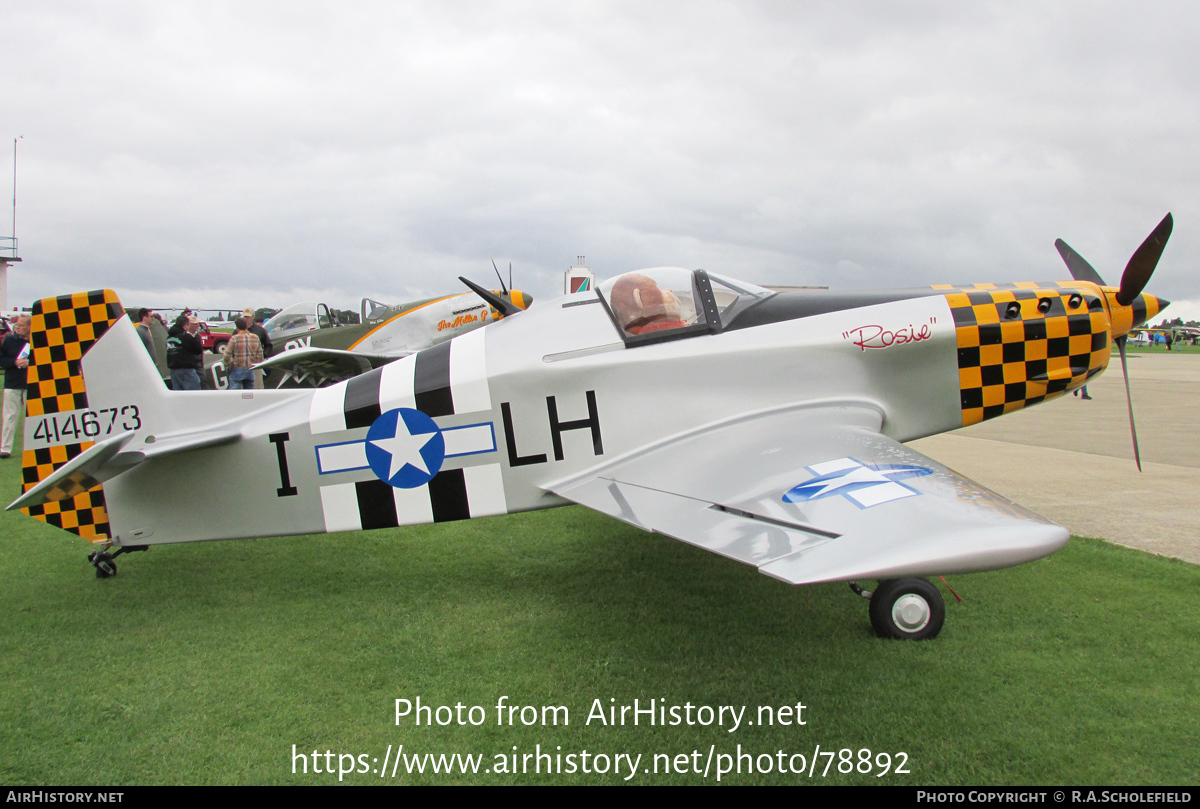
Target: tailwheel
(907, 609)
(104, 564)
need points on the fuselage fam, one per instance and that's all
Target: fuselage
(562, 390)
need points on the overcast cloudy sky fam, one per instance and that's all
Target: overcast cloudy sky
(257, 153)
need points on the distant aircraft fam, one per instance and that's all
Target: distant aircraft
(766, 427)
(1156, 335)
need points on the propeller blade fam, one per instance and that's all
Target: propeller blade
(1080, 269)
(1137, 456)
(504, 307)
(1145, 259)
(498, 276)
(510, 283)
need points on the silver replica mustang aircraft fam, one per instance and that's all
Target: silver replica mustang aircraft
(762, 426)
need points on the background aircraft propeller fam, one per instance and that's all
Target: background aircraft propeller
(501, 305)
(1137, 274)
(501, 279)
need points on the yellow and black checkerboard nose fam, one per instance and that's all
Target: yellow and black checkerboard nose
(61, 330)
(1020, 344)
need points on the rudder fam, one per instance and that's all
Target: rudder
(61, 331)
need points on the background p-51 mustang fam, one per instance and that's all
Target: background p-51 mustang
(767, 427)
(311, 351)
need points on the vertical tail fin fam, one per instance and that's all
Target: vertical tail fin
(61, 331)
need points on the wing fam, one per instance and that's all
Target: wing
(316, 367)
(815, 494)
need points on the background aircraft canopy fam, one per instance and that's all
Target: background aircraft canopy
(371, 309)
(298, 318)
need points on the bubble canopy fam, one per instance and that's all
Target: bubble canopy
(663, 303)
(298, 318)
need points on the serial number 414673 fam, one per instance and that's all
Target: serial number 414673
(84, 424)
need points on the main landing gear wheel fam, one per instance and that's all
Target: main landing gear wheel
(907, 609)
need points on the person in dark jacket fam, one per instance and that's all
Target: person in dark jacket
(14, 359)
(185, 353)
(258, 329)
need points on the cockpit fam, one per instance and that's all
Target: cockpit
(299, 318)
(667, 303)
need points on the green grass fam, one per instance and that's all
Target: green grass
(1134, 348)
(205, 663)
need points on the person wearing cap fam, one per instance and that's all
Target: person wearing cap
(185, 353)
(243, 353)
(256, 328)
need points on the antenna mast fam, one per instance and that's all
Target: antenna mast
(14, 218)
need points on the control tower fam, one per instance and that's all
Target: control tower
(578, 277)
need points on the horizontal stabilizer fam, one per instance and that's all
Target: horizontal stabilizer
(76, 476)
(109, 458)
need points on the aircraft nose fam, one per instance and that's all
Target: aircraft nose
(522, 299)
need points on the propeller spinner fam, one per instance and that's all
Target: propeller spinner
(509, 301)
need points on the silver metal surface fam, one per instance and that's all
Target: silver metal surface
(911, 612)
(779, 445)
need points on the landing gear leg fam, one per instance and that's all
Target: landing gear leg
(907, 609)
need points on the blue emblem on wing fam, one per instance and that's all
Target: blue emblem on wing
(865, 485)
(405, 448)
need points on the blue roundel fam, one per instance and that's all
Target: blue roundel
(405, 448)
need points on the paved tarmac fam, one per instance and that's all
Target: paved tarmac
(1072, 460)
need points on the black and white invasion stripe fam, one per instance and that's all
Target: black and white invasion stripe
(448, 379)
